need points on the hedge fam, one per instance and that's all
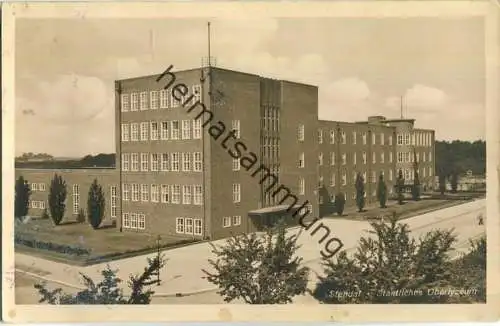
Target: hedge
(63, 249)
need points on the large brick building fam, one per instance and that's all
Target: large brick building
(220, 152)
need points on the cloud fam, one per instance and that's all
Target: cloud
(419, 97)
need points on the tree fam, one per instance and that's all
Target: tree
(108, 291)
(400, 183)
(259, 270)
(95, 205)
(382, 191)
(21, 197)
(57, 199)
(442, 184)
(415, 190)
(339, 203)
(360, 192)
(454, 182)
(387, 263)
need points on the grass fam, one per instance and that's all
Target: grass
(105, 244)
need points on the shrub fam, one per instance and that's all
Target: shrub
(45, 214)
(95, 205)
(63, 249)
(339, 203)
(80, 218)
(57, 199)
(22, 197)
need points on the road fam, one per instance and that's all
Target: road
(183, 274)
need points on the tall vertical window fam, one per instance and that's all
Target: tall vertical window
(332, 180)
(134, 131)
(301, 133)
(413, 139)
(236, 164)
(189, 225)
(144, 161)
(175, 162)
(76, 198)
(125, 104)
(141, 221)
(198, 226)
(344, 178)
(164, 130)
(198, 195)
(134, 162)
(390, 140)
(135, 192)
(163, 99)
(374, 157)
(332, 136)
(374, 139)
(423, 157)
(186, 129)
(197, 162)
(125, 132)
(320, 159)
(407, 139)
(134, 99)
(364, 157)
(173, 101)
(144, 100)
(144, 131)
(155, 196)
(236, 127)
(302, 163)
(320, 136)
(196, 94)
(125, 161)
(126, 220)
(186, 162)
(236, 192)
(382, 157)
(155, 160)
(165, 193)
(187, 194)
(197, 129)
(154, 100)
(114, 201)
(390, 175)
(430, 156)
(430, 171)
(165, 162)
(382, 139)
(332, 158)
(354, 138)
(364, 138)
(144, 193)
(154, 130)
(176, 194)
(344, 158)
(354, 158)
(175, 130)
(302, 186)
(343, 137)
(125, 192)
(179, 225)
(400, 139)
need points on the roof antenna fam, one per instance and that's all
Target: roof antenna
(401, 107)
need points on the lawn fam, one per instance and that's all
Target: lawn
(104, 244)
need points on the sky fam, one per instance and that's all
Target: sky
(65, 70)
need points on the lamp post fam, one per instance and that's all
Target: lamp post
(158, 239)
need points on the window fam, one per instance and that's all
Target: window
(165, 193)
(34, 187)
(226, 221)
(135, 192)
(382, 157)
(114, 201)
(236, 127)
(179, 225)
(154, 100)
(126, 192)
(364, 138)
(197, 166)
(343, 137)
(320, 158)
(176, 194)
(236, 220)
(198, 226)
(354, 158)
(187, 195)
(186, 162)
(144, 193)
(197, 129)
(175, 162)
(413, 139)
(173, 101)
(165, 163)
(374, 157)
(144, 161)
(332, 136)
(301, 133)
(41, 187)
(382, 139)
(364, 177)
(154, 161)
(344, 158)
(134, 102)
(390, 175)
(423, 172)
(125, 161)
(374, 139)
(125, 103)
(198, 195)
(196, 94)
(354, 138)
(321, 184)
(407, 139)
(320, 136)
(400, 157)
(125, 132)
(163, 99)
(155, 194)
(332, 158)
(186, 129)
(175, 130)
(141, 221)
(164, 130)
(236, 192)
(430, 156)
(430, 171)
(236, 164)
(400, 139)
(126, 221)
(144, 131)
(302, 186)
(301, 160)
(144, 101)
(134, 162)
(332, 180)
(154, 130)
(189, 225)
(344, 178)
(374, 177)
(390, 140)
(134, 131)
(76, 199)
(423, 157)
(364, 157)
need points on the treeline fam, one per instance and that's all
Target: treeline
(101, 160)
(457, 157)
(33, 156)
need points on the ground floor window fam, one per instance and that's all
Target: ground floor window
(135, 221)
(236, 220)
(188, 225)
(226, 221)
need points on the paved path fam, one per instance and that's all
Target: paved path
(183, 274)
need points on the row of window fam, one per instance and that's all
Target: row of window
(409, 157)
(162, 130)
(75, 195)
(416, 139)
(167, 194)
(37, 187)
(162, 162)
(188, 225)
(162, 99)
(354, 137)
(37, 204)
(135, 221)
(227, 221)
